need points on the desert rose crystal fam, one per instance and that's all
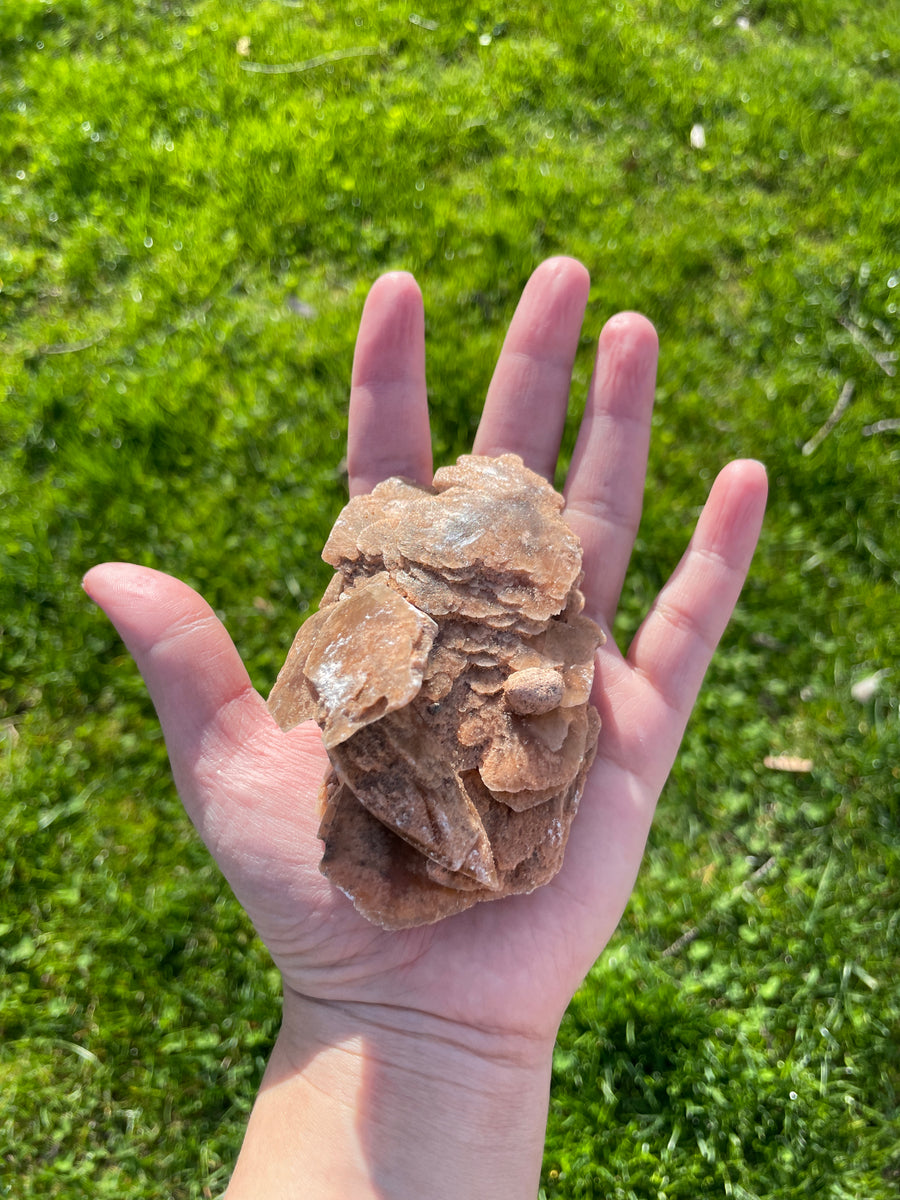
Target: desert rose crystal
(449, 668)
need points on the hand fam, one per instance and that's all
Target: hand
(493, 982)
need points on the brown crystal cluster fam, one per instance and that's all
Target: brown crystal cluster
(449, 667)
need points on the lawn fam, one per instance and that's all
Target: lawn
(194, 200)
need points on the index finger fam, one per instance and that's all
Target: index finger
(388, 430)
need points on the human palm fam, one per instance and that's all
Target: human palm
(508, 966)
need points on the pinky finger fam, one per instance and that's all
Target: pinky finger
(674, 645)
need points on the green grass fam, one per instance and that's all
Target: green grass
(185, 245)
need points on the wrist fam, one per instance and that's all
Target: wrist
(369, 1100)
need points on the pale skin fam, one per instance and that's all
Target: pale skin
(417, 1064)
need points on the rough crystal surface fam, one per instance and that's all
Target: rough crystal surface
(449, 667)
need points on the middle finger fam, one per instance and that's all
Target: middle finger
(525, 409)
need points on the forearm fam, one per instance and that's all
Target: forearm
(388, 1105)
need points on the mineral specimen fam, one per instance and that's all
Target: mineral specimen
(449, 668)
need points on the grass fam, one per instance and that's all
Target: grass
(187, 232)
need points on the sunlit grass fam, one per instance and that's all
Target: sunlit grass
(195, 199)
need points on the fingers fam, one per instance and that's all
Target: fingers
(605, 486)
(525, 409)
(388, 431)
(674, 645)
(645, 700)
(198, 684)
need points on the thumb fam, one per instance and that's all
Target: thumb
(203, 696)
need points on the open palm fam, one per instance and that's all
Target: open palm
(510, 965)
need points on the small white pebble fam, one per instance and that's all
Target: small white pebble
(864, 689)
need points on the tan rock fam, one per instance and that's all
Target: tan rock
(450, 668)
(534, 690)
(363, 658)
